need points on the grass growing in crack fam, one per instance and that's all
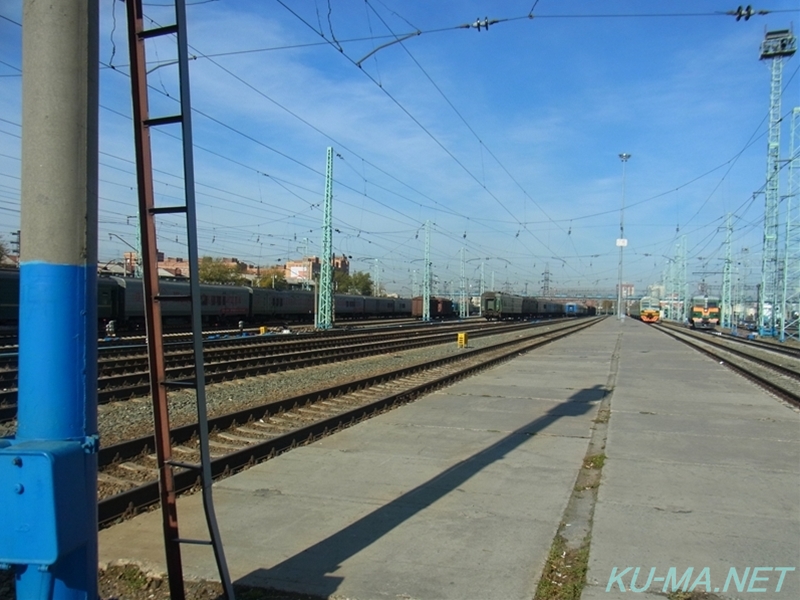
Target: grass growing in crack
(596, 461)
(564, 574)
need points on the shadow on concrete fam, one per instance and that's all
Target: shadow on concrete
(309, 571)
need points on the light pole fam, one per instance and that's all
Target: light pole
(621, 241)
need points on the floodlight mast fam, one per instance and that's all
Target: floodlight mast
(776, 46)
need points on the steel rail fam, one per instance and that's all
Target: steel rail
(129, 385)
(129, 502)
(718, 353)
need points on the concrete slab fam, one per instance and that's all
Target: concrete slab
(702, 472)
(457, 495)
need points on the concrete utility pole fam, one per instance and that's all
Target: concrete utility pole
(48, 472)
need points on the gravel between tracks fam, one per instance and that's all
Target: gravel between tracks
(127, 419)
(119, 421)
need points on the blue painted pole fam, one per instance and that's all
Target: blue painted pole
(53, 549)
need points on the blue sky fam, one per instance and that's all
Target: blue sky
(506, 139)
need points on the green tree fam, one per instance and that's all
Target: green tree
(341, 282)
(216, 271)
(357, 283)
(3, 250)
(272, 278)
(361, 283)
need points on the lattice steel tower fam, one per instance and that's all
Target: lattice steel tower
(776, 46)
(727, 299)
(791, 259)
(463, 311)
(666, 280)
(426, 275)
(325, 308)
(546, 281)
(681, 283)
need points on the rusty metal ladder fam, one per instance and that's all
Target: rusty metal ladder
(148, 211)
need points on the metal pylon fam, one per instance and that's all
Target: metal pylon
(776, 46)
(463, 311)
(727, 300)
(426, 277)
(681, 285)
(482, 290)
(325, 313)
(148, 211)
(791, 268)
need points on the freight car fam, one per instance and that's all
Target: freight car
(121, 300)
(9, 297)
(576, 309)
(440, 308)
(499, 306)
(704, 313)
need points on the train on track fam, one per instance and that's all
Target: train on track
(648, 310)
(499, 306)
(704, 313)
(439, 308)
(121, 299)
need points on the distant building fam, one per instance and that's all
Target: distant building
(628, 290)
(177, 267)
(10, 261)
(308, 268)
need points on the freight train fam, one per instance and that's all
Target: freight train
(704, 313)
(439, 308)
(499, 306)
(121, 299)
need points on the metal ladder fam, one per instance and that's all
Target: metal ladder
(148, 211)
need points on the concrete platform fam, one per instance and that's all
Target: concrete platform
(702, 473)
(460, 494)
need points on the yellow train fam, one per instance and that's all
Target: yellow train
(647, 309)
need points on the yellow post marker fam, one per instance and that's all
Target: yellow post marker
(463, 338)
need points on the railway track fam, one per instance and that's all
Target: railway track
(9, 337)
(126, 373)
(128, 479)
(778, 372)
(773, 348)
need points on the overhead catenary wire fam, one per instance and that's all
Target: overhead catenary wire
(525, 222)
